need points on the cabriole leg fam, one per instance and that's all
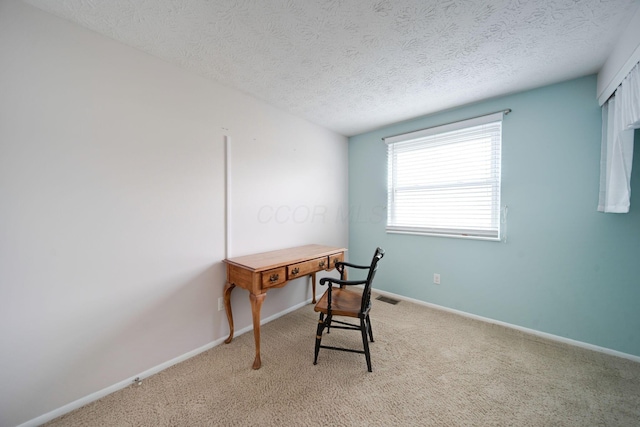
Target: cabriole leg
(256, 306)
(228, 287)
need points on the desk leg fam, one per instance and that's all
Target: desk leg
(313, 288)
(256, 306)
(228, 287)
(343, 277)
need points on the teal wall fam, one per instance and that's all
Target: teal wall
(565, 268)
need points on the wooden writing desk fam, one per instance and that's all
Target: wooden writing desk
(260, 272)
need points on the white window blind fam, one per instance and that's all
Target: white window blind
(445, 180)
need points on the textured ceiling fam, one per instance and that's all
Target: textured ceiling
(356, 65)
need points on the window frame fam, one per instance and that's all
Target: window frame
(426, 139)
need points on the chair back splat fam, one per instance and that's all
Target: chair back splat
(345, 302)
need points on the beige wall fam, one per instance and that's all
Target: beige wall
(112, 208)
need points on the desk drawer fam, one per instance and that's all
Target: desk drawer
(274, 277)
(335, 258)
(304, 268)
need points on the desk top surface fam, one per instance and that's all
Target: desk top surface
(274, 259)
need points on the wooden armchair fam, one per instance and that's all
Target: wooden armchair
(340, 301)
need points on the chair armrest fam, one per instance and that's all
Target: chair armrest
(332, 281)
(348, 264)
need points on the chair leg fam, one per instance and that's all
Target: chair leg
(318, 338)
(369, 328)
(365, 342)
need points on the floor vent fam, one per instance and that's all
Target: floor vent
(387, 299)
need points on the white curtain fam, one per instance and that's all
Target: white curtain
(620, 116)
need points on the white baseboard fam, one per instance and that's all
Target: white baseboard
(519, 328)
(127, 382)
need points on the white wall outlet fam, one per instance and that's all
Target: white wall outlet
(220, 304)
(436, 278)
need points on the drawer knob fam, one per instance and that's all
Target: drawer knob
(274, 278)
(295, 271)
(321, 264)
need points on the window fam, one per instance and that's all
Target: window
(445, 180)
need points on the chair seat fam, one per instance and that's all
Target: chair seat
(343, 303)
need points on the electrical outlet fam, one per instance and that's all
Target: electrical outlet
(220, 304)
(436, 278)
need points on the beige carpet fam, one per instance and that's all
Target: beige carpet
(430, 368)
